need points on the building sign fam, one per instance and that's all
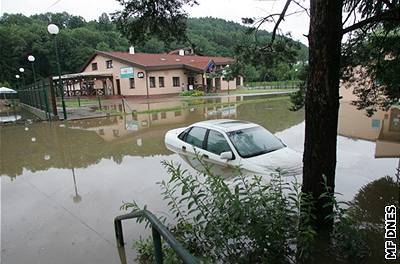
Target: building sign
(132, 125)
(140, 74)
(211, 67)
(127, 72)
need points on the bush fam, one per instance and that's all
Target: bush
(192, 93)
(245, 220)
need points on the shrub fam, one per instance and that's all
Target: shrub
(192, 93)
(244, 220)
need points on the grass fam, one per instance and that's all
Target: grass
(74, 102)
(277, 84)
(246, 91)
(199, 104)
(109, 111)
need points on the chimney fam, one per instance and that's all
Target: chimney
(181, 52)
(131, 50)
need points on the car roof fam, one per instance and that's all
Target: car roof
(225, 125)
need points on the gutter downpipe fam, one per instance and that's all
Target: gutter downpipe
(147, 84)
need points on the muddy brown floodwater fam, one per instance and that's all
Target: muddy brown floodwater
(63, 183)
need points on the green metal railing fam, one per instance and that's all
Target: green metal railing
(36, 95)
(158, 230)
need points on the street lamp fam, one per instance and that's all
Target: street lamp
(31, 59)
(17, 77)
(53, 30)
(22, 70)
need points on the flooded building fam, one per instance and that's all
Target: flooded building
(145, 74)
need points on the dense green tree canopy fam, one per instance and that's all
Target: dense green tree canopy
(21, 36)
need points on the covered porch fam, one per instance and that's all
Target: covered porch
(86, 84)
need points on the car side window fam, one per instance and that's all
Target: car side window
(182, 136)
(217, 143)
(196, 136)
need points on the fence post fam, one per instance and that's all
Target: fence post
(123, 104)
(98, 98)
(46, 100)
(52, 97)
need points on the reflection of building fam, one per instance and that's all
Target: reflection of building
(226, 108)
(388, 142)
(382, 127)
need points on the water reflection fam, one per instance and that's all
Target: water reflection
(80, 143)
(73, 178)
(383, 128)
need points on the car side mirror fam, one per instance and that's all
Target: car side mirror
(226, 155)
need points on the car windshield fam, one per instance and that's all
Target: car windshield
(254, 141)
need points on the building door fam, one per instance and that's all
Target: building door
(118, 87)
(191, 82)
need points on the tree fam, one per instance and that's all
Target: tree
(104, 23)
(140, 20)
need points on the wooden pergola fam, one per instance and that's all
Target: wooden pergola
(83, 83)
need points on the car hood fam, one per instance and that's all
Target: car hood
(285, 159)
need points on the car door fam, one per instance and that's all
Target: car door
(216, 143)
(193, 146)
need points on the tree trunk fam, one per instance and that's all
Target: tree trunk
(322, 104)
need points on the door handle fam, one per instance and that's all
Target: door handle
(205, 156)
(183, 148)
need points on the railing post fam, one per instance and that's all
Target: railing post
(46, 100)
(98, 98)
(158, 255)
(118, 232)
(123, 104)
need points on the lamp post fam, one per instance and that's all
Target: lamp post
(53, 30)
(17, 77)
(31, 59)
(22, 70)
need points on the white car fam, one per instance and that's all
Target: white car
(226, 145)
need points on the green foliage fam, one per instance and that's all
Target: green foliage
(372, 69)
(245, 219)
(22, 36)
(193, 93)
(4, 84)
(78, 39)
(140, 20)
(298, 98)
(274, 84)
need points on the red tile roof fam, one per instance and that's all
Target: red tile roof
(164, 61)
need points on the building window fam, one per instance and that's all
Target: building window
(163, 115)
(154, 116)
(152, 82)
(132, 83)
(178, 113)
(176, 81)
(238, 81)
(109, 64)
(161, 82)
(94, 66)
